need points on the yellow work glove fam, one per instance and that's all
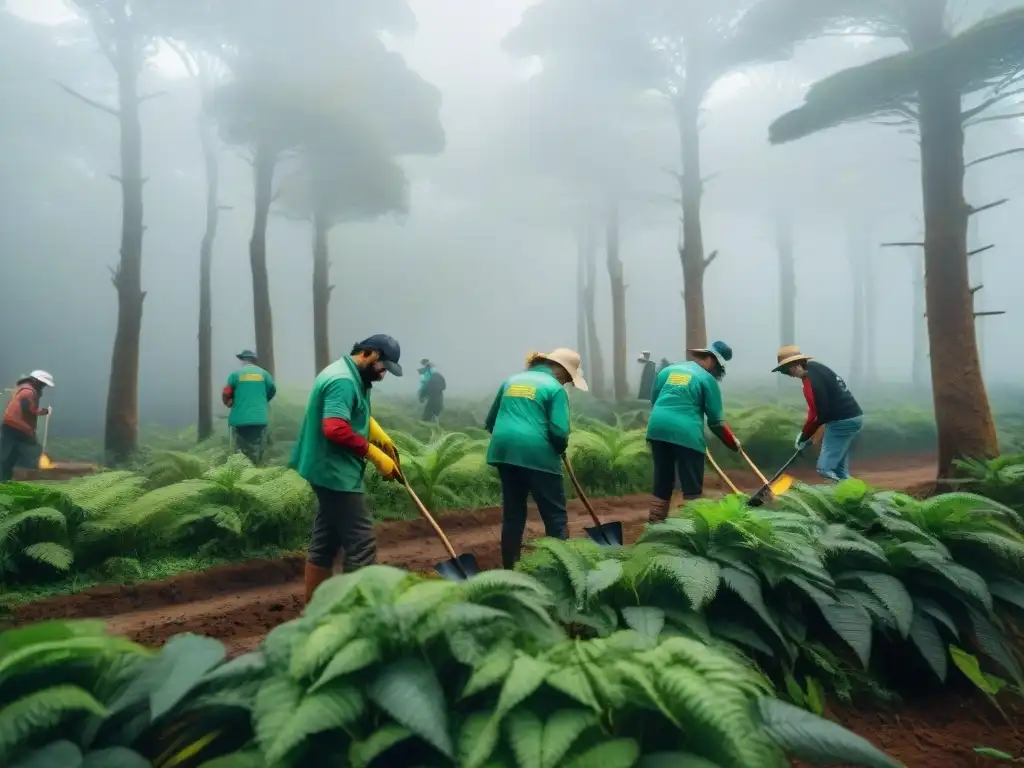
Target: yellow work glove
(380, 438)
(385, 465)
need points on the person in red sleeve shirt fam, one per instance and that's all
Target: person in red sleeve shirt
(18, 442)
(831, 405)
(336, 439)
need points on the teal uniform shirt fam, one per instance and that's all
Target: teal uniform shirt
(529, 422)
(684, 394)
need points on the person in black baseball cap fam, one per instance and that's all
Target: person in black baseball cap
(337, 438)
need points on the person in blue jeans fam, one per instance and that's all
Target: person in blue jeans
(830, 404)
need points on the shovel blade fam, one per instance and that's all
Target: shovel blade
(782, 485)
(459, 569)
(606, 534)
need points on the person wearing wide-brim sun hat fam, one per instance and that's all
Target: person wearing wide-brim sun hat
(683, 397)
(830, 404)
(529, 426)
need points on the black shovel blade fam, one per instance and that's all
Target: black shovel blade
(459, 569)
(757, 500)
(607, 534)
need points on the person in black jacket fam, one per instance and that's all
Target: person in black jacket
(646, 377)
(830, 404)
(431, 392)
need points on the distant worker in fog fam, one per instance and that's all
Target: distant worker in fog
(830, 404)
(431, 391)
(18, 443)
(248, 394)
(646, 376)
(665, 363)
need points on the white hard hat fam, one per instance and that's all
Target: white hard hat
(42, 377)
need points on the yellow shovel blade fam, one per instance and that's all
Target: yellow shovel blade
(782, 485)
(45, 462)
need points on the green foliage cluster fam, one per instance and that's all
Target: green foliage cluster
(836, 588)
(391, 668)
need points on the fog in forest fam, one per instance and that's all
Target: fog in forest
(482, 267)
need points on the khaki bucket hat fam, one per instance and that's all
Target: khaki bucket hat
(570, 360)
(789, 354)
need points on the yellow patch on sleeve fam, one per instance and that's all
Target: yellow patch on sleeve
(250, 377)
(679, 379)
(521, 390)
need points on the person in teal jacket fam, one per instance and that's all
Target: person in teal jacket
(529, 426)
(684, 395)
(248, 393)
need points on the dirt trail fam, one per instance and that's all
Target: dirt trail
(239, 604)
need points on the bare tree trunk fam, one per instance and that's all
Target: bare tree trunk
(595, 363)
(122, 418)
(787, 283)
(321, 291)
(919, 370)
(264, 164)
(978, 262)
(691, 246)
(855, 255)
(581, 292)
(962, 410)
(615, 274)
(212, 166)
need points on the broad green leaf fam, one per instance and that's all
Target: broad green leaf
(115, 757)
(617, 753)
(561, 731)
(574, 683)
(250, 758)
(276, 701)
(742, 635)
(925, 636)
(806, 736)
(996, 754)
(478, 738)
(248, 666)
(183, 662)
(362, 753)
(311, 653)
(1009, 591)
(971, 668)
(525, 677)
(12, 640)
(815, 696)
(675, 760)
(644, 619)
(332, 707)
(524, 732)
(27, 716)
(697, 576)
(493, 670)
(853, 624)
(357, 655)
(604, 576)
(59, 754)
(994, 644)
(409, 691)
(44, 653)
(891, 593)
(748, 589)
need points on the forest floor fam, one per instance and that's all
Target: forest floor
(238, 604)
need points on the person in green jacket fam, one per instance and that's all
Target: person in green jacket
(248, 394)
(529, 426)
(336, 439)
(684, 395)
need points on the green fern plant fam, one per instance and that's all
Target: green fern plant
(447, 472)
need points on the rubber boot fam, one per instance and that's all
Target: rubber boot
(315, 576)
(658, 510)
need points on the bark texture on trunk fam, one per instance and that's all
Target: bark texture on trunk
(620, 378)
(787, 284)
(691, 246)
(264, 164)
(919, 369)
(212, 167)
(122, 417)
(321, 291)
(594, 364)
(978, 279)
(962, 411)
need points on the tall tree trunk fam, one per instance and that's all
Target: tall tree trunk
(612, 231)
(212, 166)
(594, 365)
(855, 256)
(264, 164)
(321, 291)
(691, 246)
(787, 282)
(122, 418)
(919, 369)
(978, 263)
(962, 410)
(581, 292)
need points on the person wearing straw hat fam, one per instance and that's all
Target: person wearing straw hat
(529, 426)
(337, 437)
(248, 393)
(683, 397)
(18, 443)
(830, 404)
(647, 376)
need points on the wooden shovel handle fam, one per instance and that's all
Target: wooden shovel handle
(579, 491)
(760, 476)
(720, 473)
(430, 519)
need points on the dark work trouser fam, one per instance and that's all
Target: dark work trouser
(517, 484)
(16, 448)
(343, 522)
(251, 440)
(672, 461)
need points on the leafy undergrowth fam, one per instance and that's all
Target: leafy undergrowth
(389, 668)
(837, 591)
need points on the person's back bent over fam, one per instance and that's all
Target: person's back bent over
(529, 426)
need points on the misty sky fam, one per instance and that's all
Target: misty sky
(483, 269)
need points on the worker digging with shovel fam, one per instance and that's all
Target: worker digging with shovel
(683, 396)
(529, 426)
(336, 439)
(18, 443)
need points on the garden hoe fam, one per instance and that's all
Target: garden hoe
(720, 473)
(779, 484)
(609, 534)
(459, 567)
